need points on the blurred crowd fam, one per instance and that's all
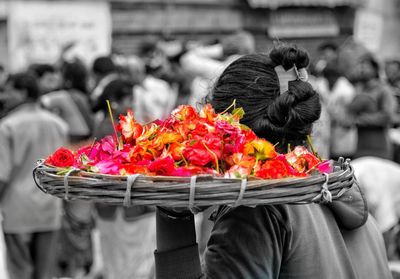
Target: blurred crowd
(65, 103)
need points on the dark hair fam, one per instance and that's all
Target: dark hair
(103, 65)
(252, 81)
(41, 69)
(327, 45)
(369, 58)
(147, 46)
(27, 82)
(75, 75)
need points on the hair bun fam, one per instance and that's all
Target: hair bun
(294, 111)
(289, 55)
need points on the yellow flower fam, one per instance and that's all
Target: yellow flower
(260, 148)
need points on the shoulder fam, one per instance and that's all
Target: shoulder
(51, 119)
(151, 81)
(269, 219)
(52, 98)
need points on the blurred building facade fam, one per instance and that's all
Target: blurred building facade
(306, 22)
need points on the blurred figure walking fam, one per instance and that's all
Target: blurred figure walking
(127, 234)
(31, 218)
(72, 105)
(207, 62)
(372, 110)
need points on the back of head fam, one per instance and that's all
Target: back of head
(75, 75)
(253, 82)
(369, 58)
(40, 70)
(328, 45)
(25, 82)
(241, 42)
(103, 66)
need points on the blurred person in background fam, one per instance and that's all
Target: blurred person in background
(8, 99)
(71, 103)
(47, 75)
(3, 96)
(321, 134)
(162, 59)
(127, 234)
(380, 180)
(339, 93)
(156, 95)
(327, 54)
(372, 110)
(3, 261)
(3, 78)
(105, 78)
(31, 218)
(206, 62)
(392, 71)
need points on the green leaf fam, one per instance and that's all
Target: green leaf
(193, 142)
(238, 112)
(63, 171)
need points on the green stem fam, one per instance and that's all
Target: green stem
(213, 154)
(309, 141)
(113, 123)
(228, 108)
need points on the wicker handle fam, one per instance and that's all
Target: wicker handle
(35, 178)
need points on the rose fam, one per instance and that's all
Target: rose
(162, 166)
(273, 169)
(62, 157)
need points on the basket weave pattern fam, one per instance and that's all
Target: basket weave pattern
(194, 191)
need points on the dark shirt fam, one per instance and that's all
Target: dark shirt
(281, 241)
(373, 111)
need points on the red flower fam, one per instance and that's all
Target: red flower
(62, 157)
(138, 167)
(162, 166)
(273, 169)
(302, 160)
(201, 151)
(191, 170)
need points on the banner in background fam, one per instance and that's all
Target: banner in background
(303, 23)
(368, 28)
(38, 31)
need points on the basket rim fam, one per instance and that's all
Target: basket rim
(199, 190)
(51, 171)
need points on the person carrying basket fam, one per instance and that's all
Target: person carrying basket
(333, 240)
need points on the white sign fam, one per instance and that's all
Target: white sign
(299, 23)
(38, 31)
(368, 29)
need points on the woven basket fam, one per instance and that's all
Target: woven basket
(192, 192)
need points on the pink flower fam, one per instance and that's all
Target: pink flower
(108, 167)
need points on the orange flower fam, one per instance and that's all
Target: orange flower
(184, 113)
(175, 150)
(260, 148)
(165, 138)
(129, 128)
(208, 113)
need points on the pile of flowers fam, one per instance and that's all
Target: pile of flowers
(188, 143)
